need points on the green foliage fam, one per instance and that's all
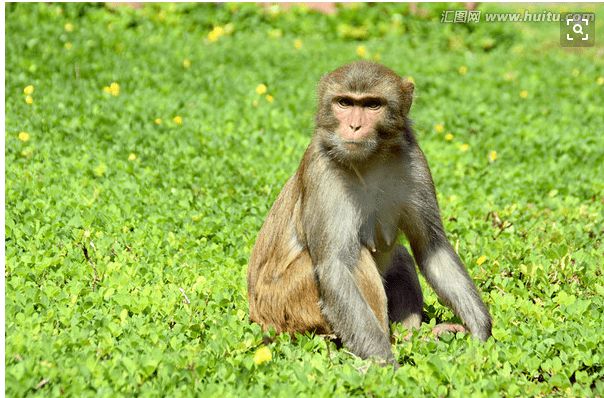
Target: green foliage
(127, 240)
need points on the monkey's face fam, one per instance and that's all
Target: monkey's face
(358, 117)
(362, 111)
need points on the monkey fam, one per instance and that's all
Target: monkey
(327, 258)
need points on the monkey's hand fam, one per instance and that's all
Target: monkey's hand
(448, 328)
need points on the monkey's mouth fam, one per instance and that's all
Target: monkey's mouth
(348, 150)
(354, 145)
(357, 148)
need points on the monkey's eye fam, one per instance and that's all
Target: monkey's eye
(345, 102)
(373, 104)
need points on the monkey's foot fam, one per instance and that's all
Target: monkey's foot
(448, 328)
(328, 336)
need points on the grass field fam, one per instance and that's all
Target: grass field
(145, 147)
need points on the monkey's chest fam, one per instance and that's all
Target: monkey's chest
(380, 200)
(379, 228)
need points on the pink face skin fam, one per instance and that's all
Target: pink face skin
(358, 116)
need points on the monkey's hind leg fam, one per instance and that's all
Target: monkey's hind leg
(286, 297)
(369, 282)
(405, 300)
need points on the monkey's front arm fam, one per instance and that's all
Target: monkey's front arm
(352, 295)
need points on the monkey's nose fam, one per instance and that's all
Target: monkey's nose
(354, 128)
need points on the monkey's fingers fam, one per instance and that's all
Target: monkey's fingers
(448, 328)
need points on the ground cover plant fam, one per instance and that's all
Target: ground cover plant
(144, 148)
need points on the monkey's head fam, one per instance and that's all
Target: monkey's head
(362, 111)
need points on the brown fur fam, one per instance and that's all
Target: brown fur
(370, 283)
(282, 289)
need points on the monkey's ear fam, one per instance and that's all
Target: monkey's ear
(407, 85)
(323, 86)
(407, 88)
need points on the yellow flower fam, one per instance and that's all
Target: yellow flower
(297, 44)
(177, 120)
(464, 147)
(600, 80)
(24, 136)
(269, 98)
(481, 260)
(377, 57)
(463, 70)
(448, 137)
(114, 88)
(68, 46)
(492, 156)
(157, 121)
(261, 89)
(68, 27)
(362, 51)
(212, 36)
(439, 128)
(215, 33)
(262, 354)
(186, 63)
(29, 100)
(29, 90)
(411, 79)
(524, 94)
(132, 157)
